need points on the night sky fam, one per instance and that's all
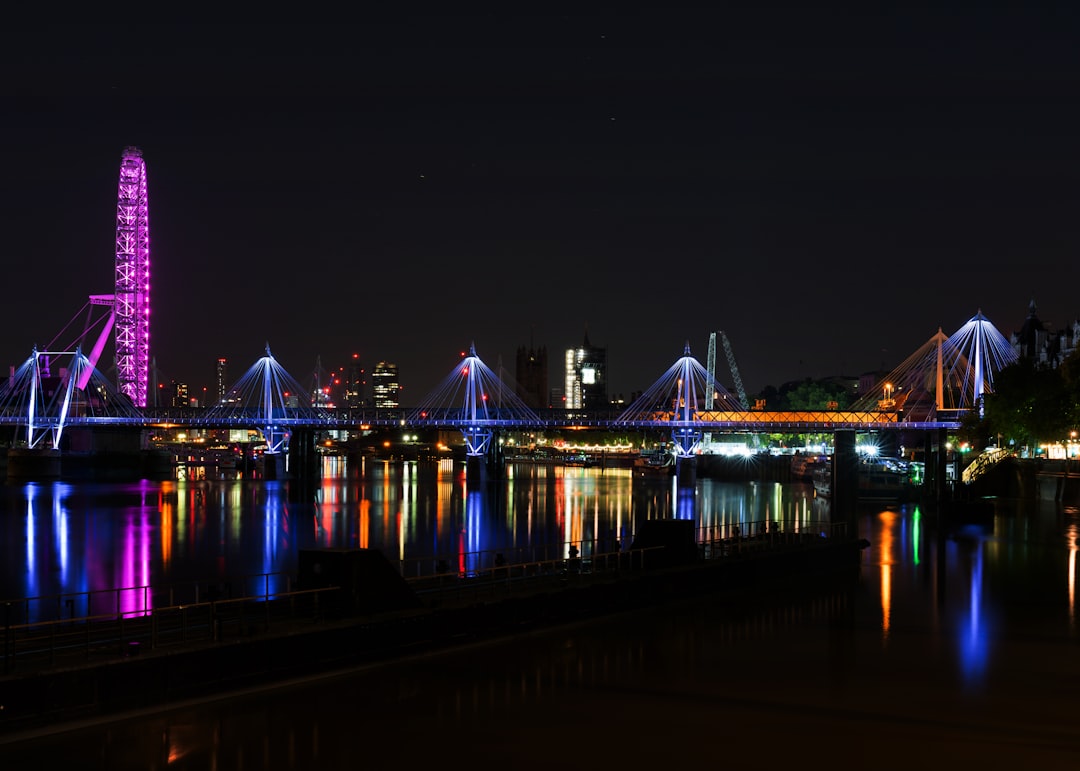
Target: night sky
(828, 189)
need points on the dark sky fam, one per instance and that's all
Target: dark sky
(827, 188)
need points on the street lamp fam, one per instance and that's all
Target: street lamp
(887, 402)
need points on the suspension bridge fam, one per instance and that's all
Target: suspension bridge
(58, 388)
(932, 389)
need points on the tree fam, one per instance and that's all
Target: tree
(1028, 406)
(816, 395)
(1070, 374)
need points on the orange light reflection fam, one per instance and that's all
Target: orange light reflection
(886, 559)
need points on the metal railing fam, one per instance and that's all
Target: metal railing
(482, 561)
(983, 463)
(489, 573)
(135, 601)
(502, 578)
(735, 539)
(113, 627)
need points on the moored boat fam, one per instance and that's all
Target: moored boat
(890, 479)
(822, 479)
(804, 466)
(655, 465)
(579, 459)
(886, 479)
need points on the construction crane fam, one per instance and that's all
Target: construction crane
(735, 373)
(711, 366)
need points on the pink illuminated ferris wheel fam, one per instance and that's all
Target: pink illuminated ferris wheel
(131, 299)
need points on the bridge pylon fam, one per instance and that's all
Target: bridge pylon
(267, 397)
(946, 375)
(675, 401)
(477, 402)
(46, 394)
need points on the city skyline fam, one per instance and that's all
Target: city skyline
(581, 383)
(827, 189)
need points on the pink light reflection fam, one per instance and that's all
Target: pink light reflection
(134, 597)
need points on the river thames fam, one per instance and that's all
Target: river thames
(957, 643)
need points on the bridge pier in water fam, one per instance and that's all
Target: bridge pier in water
(37, 464)
(686, 469)
(476, 470)
(936, 453)
(100, 452)
(491, 466)
(845, 479)
(304, 466)
(273, 465)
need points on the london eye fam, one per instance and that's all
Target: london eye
(131, 298)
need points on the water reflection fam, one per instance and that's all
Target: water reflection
(970, 620)
(69, 543)
(1071, 541)
(76, 540)
(937, 631)
(886, 556)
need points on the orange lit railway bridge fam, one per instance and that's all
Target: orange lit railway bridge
(929, 391)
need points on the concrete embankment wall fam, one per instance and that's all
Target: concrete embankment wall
(1031, 479)
(1058, 480)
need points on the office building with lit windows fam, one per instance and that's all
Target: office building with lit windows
(384, 385)
(585, 386)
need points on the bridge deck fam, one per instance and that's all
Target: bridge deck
(749, 421)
